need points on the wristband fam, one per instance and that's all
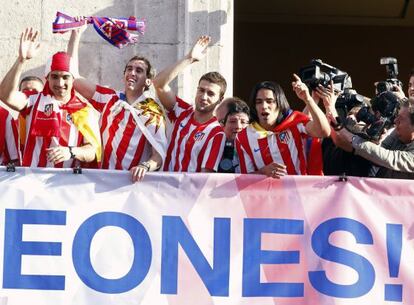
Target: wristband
(72, 155)
(145, 165)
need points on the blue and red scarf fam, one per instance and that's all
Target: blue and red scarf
(113, 30)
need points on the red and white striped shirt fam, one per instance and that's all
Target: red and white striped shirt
(286, 145)
(9, 138)
(124, 143)
(193, 146)
(40, 106)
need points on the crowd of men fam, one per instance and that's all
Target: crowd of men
(70, 121)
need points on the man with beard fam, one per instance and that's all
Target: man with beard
(61, 129)
(197, 139)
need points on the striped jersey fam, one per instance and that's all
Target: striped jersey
(9, 138)
(45, 110)
(286, 144)
(128, 131)
(193, 146)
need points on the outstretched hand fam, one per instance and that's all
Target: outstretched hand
(199, 49)
(81, 29)
(29, 47)
(301, 89)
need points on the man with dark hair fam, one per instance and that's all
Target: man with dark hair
(395, 154)
(31, 82)
(61, 129)
(132, 123)
(197, 139)
(274, 144)
(234, 115)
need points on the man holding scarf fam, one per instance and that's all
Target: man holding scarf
(61, 129)
(132, 123)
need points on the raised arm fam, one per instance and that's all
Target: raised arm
(9, 87)
(164, 78)
(85, 87)
(319, 125)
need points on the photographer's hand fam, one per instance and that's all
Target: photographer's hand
(397, 90)
(329, 97)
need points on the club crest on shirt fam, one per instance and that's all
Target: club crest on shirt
(48, 109)
(284, 137)
(199, 136)
(68, 118)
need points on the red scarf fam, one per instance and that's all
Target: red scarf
(46, 116)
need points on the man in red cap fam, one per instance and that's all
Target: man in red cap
(61, 129)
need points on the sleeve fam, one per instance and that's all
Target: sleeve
(398, 160)
(12, 139)
(214, 152)
(101, 97)
(179, 107)
(246, 163)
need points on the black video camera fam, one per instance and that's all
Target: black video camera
(347, 100)
(379, 116)
(320, 73)
(392, 73)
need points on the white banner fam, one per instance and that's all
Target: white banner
(96, 238)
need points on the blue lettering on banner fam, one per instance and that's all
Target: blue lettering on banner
(216, 278)
(15, 247)
(253, 257)
(81, 252)
(394, 292)
(325, 250)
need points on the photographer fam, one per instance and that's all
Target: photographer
(395, 154)
(337, 153)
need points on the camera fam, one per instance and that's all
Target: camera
(226, 164)
(384, 109)
(391, 67)
(347, 100)
(320, 73)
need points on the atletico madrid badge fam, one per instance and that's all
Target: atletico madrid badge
(284, 137)
(199, 136)
(48, 109)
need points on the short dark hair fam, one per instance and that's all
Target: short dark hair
(215, 78)
(236, 105)
(29, 79)
(280, 99)
(412, 72)
(150, 70)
